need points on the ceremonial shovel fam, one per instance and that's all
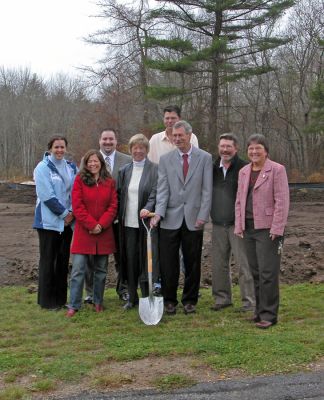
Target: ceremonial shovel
(150, 308)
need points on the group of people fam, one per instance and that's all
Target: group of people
(102, 207)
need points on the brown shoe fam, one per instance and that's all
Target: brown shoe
(218, 307)
(264, 324)
(170, 309)
(189, 309)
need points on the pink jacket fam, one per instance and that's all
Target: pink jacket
(270, 198)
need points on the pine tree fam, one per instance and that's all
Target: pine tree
(218, 40)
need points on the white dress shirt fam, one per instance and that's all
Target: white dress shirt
(160, 144)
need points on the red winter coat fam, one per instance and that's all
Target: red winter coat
(94, 205)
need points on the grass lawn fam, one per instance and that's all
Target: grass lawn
(53, 349)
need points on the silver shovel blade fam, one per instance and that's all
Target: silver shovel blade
(151, 309)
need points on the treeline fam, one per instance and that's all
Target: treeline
(231, 65)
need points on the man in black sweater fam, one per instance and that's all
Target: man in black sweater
(224, 242)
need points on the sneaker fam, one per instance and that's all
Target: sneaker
(88, 300)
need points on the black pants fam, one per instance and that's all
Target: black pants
(135, 264)
(191, 242)
(264, 261)
(121, 284)
(54, 249)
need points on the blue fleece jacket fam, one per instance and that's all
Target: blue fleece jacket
(53, 194)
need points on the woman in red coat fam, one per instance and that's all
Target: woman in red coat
(94, 204)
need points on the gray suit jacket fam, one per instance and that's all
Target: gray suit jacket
(178, 199)
(120, 160)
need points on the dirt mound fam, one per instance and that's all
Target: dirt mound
(17, 193)
(302, 261)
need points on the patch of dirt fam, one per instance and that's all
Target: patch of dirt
(302, 261)
(143, 375)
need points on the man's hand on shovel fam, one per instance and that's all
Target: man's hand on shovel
(155, 220)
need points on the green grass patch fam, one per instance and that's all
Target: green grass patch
(44, 385)
(173, 381)
(13, 393)
(52, 348)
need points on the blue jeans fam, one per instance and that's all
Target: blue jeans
(79, 264)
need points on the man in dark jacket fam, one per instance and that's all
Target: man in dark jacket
(224, 242)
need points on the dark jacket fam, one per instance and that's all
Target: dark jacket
(224, 192)
(121, 159)
(146, 199)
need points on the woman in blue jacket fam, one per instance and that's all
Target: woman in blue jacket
(54, 177)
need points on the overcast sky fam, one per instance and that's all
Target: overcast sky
(46, 35)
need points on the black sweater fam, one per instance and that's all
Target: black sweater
(224, 192)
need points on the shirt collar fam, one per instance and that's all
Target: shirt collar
(139, 163)
(111, 156)
(164, 137)
(188, 152)
(221, 165)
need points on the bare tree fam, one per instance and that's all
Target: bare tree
(124, 38)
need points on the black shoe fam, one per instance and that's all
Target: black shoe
(218, 307)
(189, 308)
(124, 296)
(157, 291)
(170, 309)
(88, 300)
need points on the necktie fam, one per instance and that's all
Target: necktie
(108, 165)
(185, 165)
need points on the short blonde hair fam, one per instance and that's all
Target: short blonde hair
(140, 139)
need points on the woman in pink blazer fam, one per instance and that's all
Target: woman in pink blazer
(261, 212)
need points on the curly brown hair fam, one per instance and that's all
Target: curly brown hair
(86, 175)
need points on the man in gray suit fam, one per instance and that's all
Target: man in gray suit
(114, 161)
(182, 205)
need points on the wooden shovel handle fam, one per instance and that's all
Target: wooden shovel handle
(149, 254)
